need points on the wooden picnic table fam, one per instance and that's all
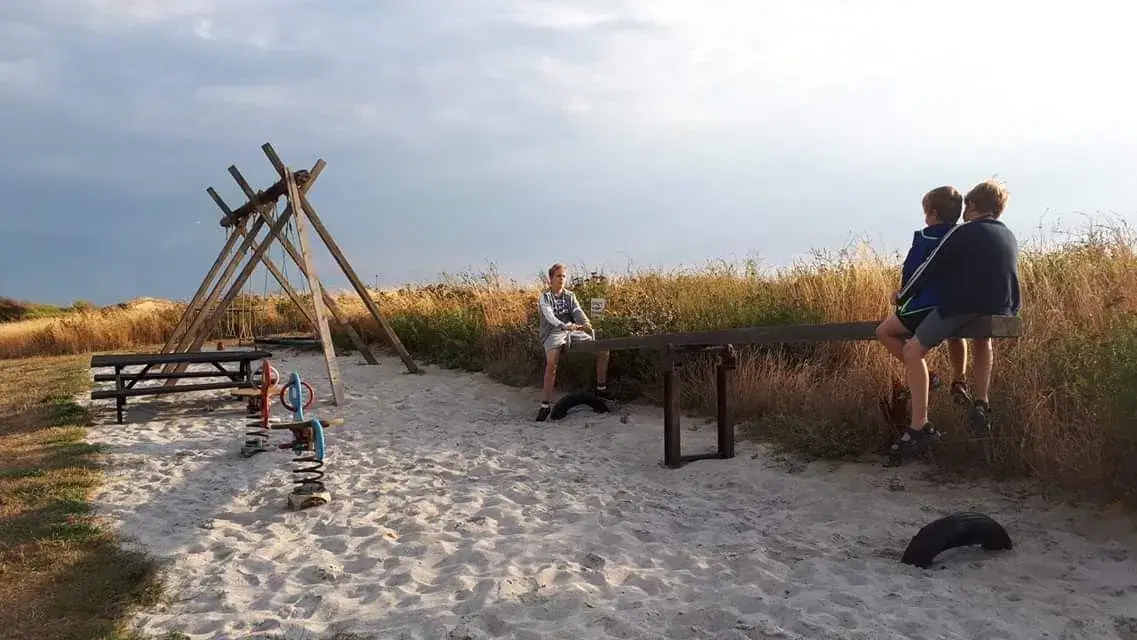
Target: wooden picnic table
(125, 381)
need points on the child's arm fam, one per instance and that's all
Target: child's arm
(578, 313)
(545, 307)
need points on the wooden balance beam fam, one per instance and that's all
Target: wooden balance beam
(723, 342)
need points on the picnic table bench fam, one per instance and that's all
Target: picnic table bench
(723, 341)
(125, 381)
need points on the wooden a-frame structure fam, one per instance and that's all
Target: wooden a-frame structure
(208, 304)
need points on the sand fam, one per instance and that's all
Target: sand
(455, 515)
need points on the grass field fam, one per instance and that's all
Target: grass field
(62, 575)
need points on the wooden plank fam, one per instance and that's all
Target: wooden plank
(353, 335)
(982, 327)
(157, 375)
(330, 361)
(103, 394)
(346, 267)
(192, 357)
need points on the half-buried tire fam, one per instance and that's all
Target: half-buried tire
(956, 530)
(561, 408)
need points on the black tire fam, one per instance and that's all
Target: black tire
(561, 408)
(956, 530)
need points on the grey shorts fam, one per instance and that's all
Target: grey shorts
(936, 328)
(560, 338)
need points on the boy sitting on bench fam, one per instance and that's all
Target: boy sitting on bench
(942, 207)
(563, 322)
(975, 268)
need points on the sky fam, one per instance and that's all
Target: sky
(607, 134)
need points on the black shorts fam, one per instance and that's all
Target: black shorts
(913, 319)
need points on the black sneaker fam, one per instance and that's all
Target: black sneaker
(543, 412)
(603, 393)
(979, 418)
(912, 442)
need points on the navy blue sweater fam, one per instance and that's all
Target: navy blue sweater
(974, 269)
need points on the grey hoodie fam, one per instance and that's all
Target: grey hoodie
(557, 310)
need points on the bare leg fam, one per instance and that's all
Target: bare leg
(892, 335)
(551, 358)
(916, 371)
(957, 354)
(984, 363)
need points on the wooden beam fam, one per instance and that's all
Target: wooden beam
(330, 361)
(273, 193)
(981, 327)
(345, 266)
(329, 301)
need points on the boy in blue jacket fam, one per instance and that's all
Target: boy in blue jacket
(942, 209)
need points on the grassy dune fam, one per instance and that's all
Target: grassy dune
(1062, 394)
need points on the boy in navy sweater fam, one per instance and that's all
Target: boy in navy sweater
(942, 207)
(975, 269)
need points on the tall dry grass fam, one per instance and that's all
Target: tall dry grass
(1063, 394)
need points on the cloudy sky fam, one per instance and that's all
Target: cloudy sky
(460, 133)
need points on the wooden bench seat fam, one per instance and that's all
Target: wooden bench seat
(724, 341)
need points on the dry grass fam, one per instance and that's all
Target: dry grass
(62, 576)
(1062, 393)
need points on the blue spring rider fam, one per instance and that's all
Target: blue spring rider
(307, 445)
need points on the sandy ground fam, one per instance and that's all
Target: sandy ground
(455, 516)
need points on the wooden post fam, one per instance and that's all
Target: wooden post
(672, 449)
(345, 266)
(330, 361)
(356, 340)
(725, 421)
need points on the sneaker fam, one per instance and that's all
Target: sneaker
(960, 393)
(912, 442)
(603, 392)
(543, 412)
(979, 418)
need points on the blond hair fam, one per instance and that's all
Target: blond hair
(988, 197)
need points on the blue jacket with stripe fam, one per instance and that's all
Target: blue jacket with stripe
(923, 242)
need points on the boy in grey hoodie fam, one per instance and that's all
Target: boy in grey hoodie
(562, 323)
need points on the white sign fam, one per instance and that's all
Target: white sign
(597, 306)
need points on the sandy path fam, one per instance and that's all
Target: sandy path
(456, 516)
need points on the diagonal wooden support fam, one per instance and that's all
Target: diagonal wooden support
(330, 361)
(209, 321)
(199, 320)
(353, 335)
(192, 307)
(281, 279)
(313, 217)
